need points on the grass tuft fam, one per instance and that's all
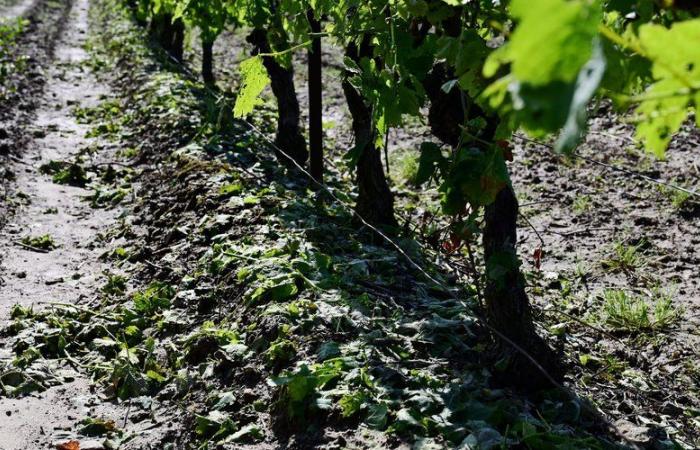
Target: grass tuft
(626, 258)
(634, 313)
(44, 242)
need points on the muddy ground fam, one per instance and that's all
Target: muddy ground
(189, 212)
(30, 54)
(45, 129)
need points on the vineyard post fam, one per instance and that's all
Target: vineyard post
(208, 60)
(288, 137)
(315, 100)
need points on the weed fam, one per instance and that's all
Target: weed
(634, 313)
(44, 242)
(21, 312)
(50, 168)
(154, 299)
(116, 285)
(120, 254)
(679, 199)
(65, 173)
(11, 60)
(581, 204)
(281, 351)
(128, 153)
(408, 166)
(104, 198)
(230, 189)
(625, 258)
(73, 175)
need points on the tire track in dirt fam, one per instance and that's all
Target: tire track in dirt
(70, 272)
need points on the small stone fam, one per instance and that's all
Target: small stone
(635, 434)
(54, 281)
(91, 445)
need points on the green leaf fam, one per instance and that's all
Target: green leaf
(97, 427)
(553, 39)
(225, 400)
(350, 404)
(675, 58)
(541, 110)
(660, 117)
(328, 350)
(283, 291)
(405, 419)
(155, 376)
(105, 342)
(431, 159)
(673, 51)
(248, 432)
(475, 178)
(276, 292)
(210, 424)
(301, 387)
(377, 416)
(255, 79)
(485, 438)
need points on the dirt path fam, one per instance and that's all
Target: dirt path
(72, 270)
(15, 10)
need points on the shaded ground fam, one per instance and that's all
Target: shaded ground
(588, 221)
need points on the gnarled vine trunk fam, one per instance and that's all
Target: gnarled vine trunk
(507, 305)
(375, 202)
(288, 137)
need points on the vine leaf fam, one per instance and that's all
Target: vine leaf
(675, 58)
(554, 71)
(553, 40)
(255, 79)
(660, 118)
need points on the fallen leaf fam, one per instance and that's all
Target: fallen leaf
(70, 445)
(538, 258)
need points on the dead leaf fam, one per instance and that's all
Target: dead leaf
(538, 257)
(70, 445)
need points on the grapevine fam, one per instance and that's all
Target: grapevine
(388, 275)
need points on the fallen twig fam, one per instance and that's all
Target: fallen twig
(31, 247)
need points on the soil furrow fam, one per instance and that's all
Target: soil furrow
(38, 277)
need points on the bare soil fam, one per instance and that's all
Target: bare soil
(71, 272)
(12, 9)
